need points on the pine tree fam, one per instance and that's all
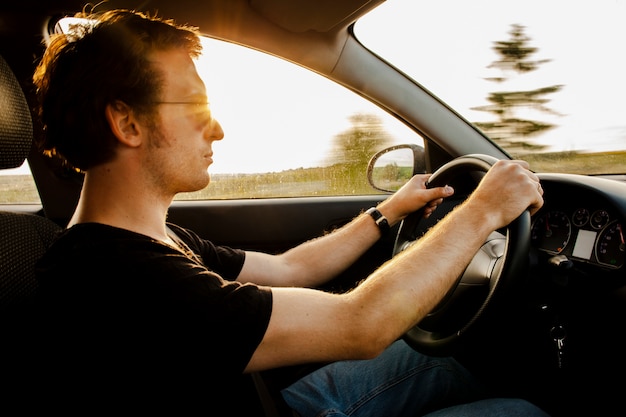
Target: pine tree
(510, 130)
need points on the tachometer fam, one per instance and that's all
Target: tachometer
(551, 231)
(610, 246)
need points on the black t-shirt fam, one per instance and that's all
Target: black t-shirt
(120, 306)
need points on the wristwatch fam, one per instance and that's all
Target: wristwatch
(379, 219)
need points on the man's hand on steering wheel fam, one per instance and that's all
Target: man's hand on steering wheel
(497, 193)
(414, 196)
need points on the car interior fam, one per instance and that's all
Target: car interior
(545, 322)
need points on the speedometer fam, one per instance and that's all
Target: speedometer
(551, 232)
(610, 246)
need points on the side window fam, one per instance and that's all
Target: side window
(288, 131)
(17, 186)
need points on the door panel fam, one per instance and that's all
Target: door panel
(275, 225)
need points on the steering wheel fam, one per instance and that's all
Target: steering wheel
(495, 268)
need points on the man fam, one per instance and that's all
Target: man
(134, 305)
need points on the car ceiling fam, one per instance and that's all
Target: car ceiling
(319, 16)
(291, 29)
(296, 16)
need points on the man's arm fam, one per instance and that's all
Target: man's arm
(317, 261)
(309, 326)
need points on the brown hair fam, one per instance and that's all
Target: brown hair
(102, 60)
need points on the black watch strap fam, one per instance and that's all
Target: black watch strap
(381, 221)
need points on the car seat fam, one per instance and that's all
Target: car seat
(24, 236)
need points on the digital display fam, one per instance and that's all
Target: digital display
(584, 244)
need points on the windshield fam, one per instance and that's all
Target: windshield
(544, 80)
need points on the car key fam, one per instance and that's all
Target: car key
(558, 334)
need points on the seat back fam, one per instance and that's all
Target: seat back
(23, 237)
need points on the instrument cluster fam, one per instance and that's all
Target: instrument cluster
(593, 235)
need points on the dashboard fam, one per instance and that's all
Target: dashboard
(582, 219)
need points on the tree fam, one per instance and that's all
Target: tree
(510, 130)
(357, 144)
(353, 148)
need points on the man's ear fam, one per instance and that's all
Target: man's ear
(123, 123)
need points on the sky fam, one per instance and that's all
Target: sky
(571, 33)
(236, 93)
(568, 32)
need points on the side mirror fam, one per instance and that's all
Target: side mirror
(392, 167)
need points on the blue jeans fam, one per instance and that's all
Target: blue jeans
(399, 382)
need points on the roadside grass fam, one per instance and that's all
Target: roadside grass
(328, 181)
(578, 163)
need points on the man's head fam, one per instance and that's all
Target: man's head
(104, 61)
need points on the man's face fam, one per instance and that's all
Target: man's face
(179, 149)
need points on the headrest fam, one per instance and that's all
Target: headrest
(16, 125)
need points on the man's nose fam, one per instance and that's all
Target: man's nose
(214, 130)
